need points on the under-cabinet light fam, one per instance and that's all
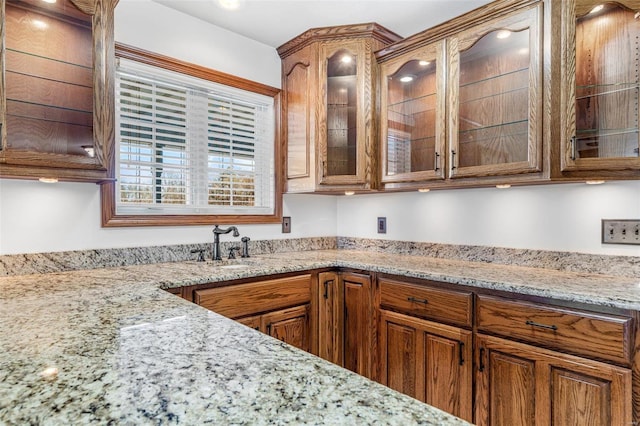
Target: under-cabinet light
(503, 34)
(49, 1)
(424, 190)
(594, 182)
(423, 63)
(406, 78)
(48, 180)
(349, 192)
(597, 8)
(503, 186)
(229, 4)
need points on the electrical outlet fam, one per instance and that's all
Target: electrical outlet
(286, 225)
(382, 225)
(621, 231)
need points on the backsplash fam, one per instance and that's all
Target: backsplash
(36, 263)
(40, 263)
(626, 266)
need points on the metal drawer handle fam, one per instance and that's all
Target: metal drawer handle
(413, 299)
(537, 324)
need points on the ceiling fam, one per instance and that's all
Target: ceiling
(274, 22)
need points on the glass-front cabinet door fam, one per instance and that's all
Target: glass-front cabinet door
(495, 83)
(601, 71)
(412, 116)
(342, 118)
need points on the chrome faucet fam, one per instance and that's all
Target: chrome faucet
(216, 239)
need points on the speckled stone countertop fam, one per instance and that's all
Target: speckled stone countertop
(109, 346)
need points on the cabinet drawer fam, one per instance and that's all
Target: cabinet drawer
(602, 336)
(246, 299)
(448, 306)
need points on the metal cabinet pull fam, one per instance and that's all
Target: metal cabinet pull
(326, 288)
(461, 353)
(537, 324)
(481, 364)
(436, 162)
(413, 299)
(269, 329)
(573, 148)
(453, 159)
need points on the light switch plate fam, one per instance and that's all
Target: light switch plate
(621, 231)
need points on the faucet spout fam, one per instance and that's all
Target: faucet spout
(215, 252)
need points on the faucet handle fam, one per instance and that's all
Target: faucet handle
(232, 250)
(200, 254)
(245, 246)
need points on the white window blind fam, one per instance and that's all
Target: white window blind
(190, 146)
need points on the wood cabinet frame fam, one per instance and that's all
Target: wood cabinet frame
(33, 165)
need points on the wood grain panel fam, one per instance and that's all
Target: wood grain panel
(297, 82)
(289, 325)
(359, 329)
(46, 68)
(587, 396)
(253, 321)
(77, 11)
(247, 299)
(26, 134)
(512, 390)
(47, 92)
(450, 306)
(46, 113)
(401, 359)
(41, 35)
(601, 336)
(330, 318)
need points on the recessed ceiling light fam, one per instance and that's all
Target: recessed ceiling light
(346, 59)
(49, 1)
(503, 34)
(229, 4)
(423, 63)
(406, 78)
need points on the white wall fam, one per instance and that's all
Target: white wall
(36, 217)
(563, 217)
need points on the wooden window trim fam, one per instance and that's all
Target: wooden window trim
(108, 187)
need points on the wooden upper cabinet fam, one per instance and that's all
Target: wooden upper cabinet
(328, 112)
(495, 96)
(600, 87)
(57, 105)
(412, 115)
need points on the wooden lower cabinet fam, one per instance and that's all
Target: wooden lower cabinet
(519, 384)
(289, 325)
(330, 317)
(428, 361)
(359, 324)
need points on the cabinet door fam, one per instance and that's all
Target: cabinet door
(254, 322)
(300, 81)
(330, 318)
(600, 85)
(412, 116)
(495, 77)
(428, 361)
(289, 325)
(359, 324)
(518, 384)
(345, 114)
(57, 89)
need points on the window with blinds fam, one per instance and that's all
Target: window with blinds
(191, 146)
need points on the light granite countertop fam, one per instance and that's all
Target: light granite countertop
(108, 346)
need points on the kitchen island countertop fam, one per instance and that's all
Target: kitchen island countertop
(109, 346)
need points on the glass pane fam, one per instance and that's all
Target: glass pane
(607, 83)
(49, 78)
(411, 118)
(341, 114)
(494, 100)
